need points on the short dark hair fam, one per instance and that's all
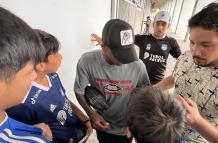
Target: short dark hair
(50, 43)
(207, 18)
(155, 117)
(18, 44)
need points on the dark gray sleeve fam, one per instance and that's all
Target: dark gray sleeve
(175, 51)
(137, 40)
(143, 76)
(81, 80)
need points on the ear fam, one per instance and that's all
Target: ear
(40, 67)
(129, 134)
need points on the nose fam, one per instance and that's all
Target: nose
(196, 50)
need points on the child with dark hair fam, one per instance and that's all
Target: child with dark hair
(21, 50)
(47, 102)
(155, 117)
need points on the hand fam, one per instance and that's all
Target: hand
(96, 38)
(89, 128)
(46, 132)
(192, 113)
(98, 121)
(71, 140)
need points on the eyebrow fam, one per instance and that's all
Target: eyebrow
(202, 42)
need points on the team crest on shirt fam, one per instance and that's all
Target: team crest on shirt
(164, 47)
(62, 117)
(148, 46)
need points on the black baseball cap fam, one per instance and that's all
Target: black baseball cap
(118, 35)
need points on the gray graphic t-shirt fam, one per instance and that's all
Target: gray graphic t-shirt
(116, 82)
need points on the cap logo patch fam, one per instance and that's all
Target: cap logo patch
(126, 37)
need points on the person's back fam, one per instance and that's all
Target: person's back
(155, 117)
(20, 50)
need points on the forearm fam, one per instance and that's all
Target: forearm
(84, 104)
(166, 83)
(79, 113)
(207, 130)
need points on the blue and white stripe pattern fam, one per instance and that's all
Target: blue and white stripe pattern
(12, 131)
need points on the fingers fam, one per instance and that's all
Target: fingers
(89, 131)
(101, 125)
(96, 38)
(187, 103)
(71, 140)
(184, 102)
(46, 132)
(104, 124)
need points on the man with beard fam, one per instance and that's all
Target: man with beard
(196, 72)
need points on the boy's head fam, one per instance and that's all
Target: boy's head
(161, 24)
(21, 50)
(155, 117)
(50, 43)
(52, 60)
(118, 38)
(204, 36)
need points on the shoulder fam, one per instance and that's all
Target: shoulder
(149, 36)
(184, 61)
(53, 76)
(171, 39)
(137, 65)
(90, 56)
(22, 130)
(186, 55)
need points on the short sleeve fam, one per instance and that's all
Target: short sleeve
(143, 76)
(175, 51)
(81, 80)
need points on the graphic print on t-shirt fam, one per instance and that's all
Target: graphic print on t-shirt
(114, 87)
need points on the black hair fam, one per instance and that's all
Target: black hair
(50, 43)
(155, 117)
(207, 18)
(19, 44)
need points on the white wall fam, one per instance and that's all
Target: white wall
(71, 21)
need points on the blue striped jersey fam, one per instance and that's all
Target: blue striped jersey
(12, 131)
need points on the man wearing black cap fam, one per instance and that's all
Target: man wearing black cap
(115, 70)
(155, 48)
